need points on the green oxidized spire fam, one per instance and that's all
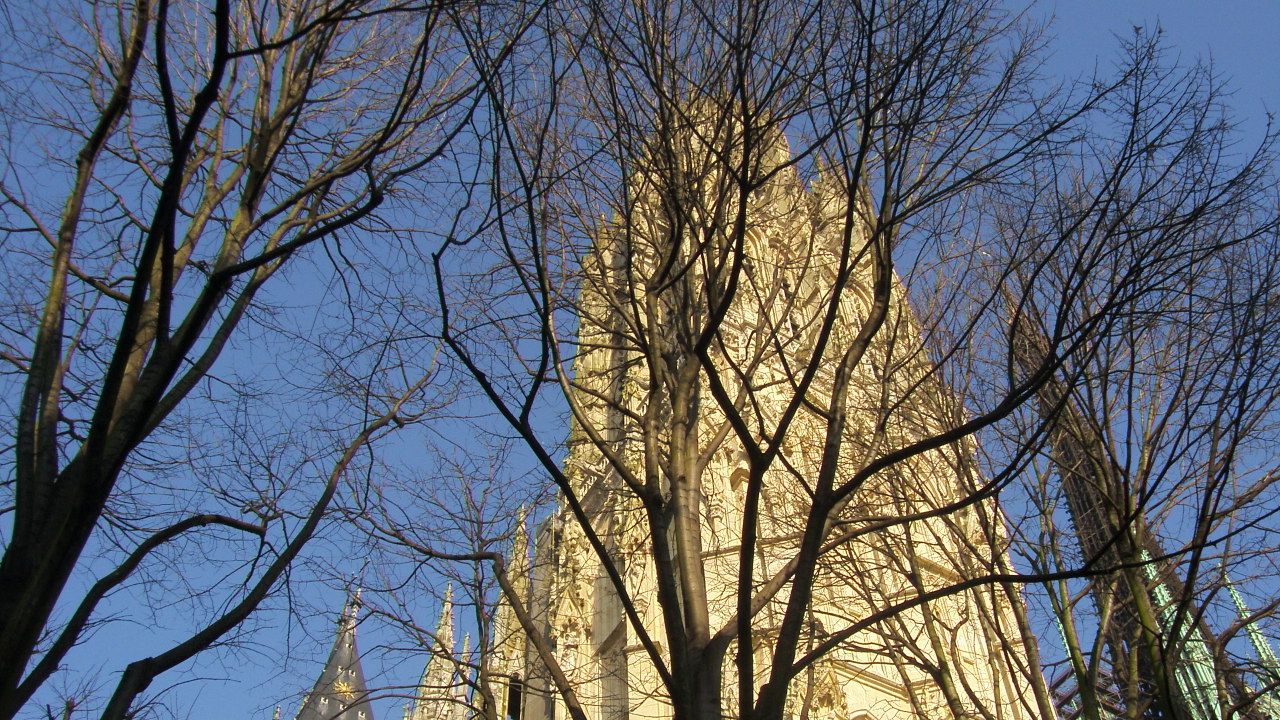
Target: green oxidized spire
(1266, 656)
(1269, 666)
(1195, 674)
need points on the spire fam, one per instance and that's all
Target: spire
(518, 570)
(1194, 672)
(518, 566)
(436, 688)
(507, 649)
(340, 693)
(462, 679)
(1266, 656)
(1269, 670)
(444, 628)
(827, 190)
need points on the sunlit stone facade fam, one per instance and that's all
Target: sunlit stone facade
(910, 529)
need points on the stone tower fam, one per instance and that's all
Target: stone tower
(908, 531)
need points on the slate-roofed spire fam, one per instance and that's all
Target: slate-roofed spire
(340, 693)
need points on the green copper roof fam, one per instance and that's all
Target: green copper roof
(1194, 673)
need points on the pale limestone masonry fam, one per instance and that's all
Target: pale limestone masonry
(967, 642)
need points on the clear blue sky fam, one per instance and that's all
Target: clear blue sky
(1239, 36)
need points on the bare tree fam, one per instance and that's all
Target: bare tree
(167, 166)
(769, 259)
(1152, 428)
(450, 549)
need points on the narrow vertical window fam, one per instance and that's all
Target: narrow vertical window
(515, 696)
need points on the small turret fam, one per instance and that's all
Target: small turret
(507, 662)
(441, 693)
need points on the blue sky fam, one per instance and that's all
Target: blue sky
(1240, 37)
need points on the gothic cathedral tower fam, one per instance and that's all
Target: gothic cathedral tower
(701, 296)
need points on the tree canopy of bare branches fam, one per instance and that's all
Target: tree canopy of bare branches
(838, 330)
(191, 194)
(809, 250)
